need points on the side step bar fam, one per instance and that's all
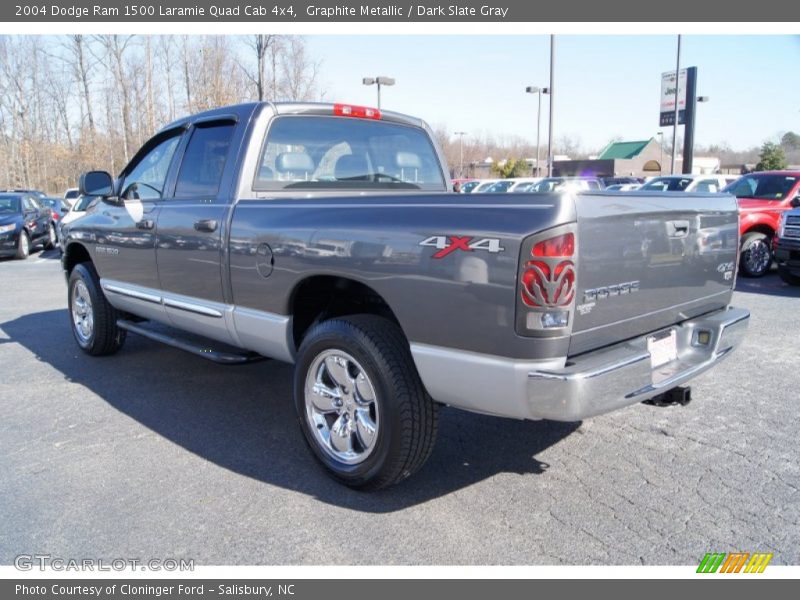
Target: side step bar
(217, 356)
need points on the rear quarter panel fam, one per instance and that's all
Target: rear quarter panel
(465, 300)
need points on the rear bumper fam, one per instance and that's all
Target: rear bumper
(611, 378)
(586, 385)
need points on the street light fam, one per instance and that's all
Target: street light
(379, 81)
(461, 135)
(539, 91)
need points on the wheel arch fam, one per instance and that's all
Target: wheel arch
(319, 297)
(74, 254)
(759, 227)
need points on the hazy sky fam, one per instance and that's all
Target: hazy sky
(606, 86)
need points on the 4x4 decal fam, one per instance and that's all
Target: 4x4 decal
(450, 243)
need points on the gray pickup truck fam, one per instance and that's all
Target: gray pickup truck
(324, 236)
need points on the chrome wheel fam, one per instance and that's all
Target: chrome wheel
(341, 407)
(758, 256)
(24, 244)
(82, 315)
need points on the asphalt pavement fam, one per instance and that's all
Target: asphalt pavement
(153, 453)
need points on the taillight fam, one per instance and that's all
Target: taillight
(547, 284)
(561, 245)
(55, 216)
(350, 110)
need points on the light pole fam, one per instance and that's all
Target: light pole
(660, 135)
(675, 124)
(461, 135)
(379, 81)
(551, 88)
(539, 91)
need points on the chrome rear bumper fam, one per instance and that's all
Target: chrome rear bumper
(620, 375)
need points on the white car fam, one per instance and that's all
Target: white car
(78, 209)
(523, 184)
(623, 187)
(484, 185)
(688, 183)
(71, 196)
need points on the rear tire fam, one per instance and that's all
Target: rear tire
(756, 254)
(23, 246)
(360, 402)
(787, 276)
(93, 319)
(52, 238)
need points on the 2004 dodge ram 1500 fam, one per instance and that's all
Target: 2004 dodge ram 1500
(322, 235)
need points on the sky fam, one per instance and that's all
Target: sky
(606, 86)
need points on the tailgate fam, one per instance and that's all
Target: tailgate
(646, 261)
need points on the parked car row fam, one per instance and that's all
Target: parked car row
(762, 198)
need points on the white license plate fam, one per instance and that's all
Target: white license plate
(663, 348)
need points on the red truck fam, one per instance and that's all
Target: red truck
(762, 197)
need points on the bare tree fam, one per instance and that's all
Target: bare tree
(299, 71)
(259, 44)
(76, 46)
(115, 48)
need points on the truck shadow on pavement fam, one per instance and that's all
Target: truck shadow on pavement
(770, 284)
(242, 418)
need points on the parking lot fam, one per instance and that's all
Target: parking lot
(154, 453)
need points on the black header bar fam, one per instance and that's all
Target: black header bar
(509, 11)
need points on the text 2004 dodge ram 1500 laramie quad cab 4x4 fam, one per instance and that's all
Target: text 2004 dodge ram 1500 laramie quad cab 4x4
(322, 235)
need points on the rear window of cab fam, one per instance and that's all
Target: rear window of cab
(337, 153)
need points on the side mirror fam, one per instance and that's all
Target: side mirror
(795, 203)
(96, 183)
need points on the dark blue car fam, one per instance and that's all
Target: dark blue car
(24, 223)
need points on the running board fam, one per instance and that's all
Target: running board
(217, 356)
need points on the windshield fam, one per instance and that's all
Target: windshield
(667, 184)
(547, 185)
(524, 187)
(327, 153)
(468, 187)
(83, 203)
(762, 187)
(500, 186)
(9, 205)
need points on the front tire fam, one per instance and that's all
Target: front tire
(23, 246)
(360, 402)
(756, 254)
(93, 319)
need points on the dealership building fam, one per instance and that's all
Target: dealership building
(641, 158)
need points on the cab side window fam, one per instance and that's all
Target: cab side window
(204, 161)
(146, 180)
(28, 203)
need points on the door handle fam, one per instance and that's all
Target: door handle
(145, 224)
(205, 225)
(678, 229)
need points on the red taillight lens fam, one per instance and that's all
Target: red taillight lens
(350, 110)
(55, 216)
(562, 245)
(549, 280)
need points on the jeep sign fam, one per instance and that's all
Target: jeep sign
(668, 98)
